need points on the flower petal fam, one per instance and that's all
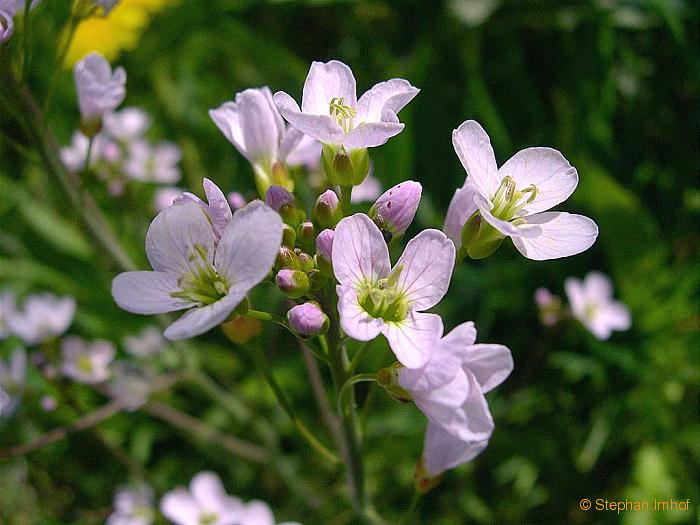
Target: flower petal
(547, 169)
(474, 150)
(209, 492)
(391, 95)
(256, 512)
(441, 403)
(473, 421)
(321, 127)
(180, 507)
(219, 208)
(372, 134)
(442, 451)
(360, 253)
(427, 264)
(598, 287)
(412, 339)
(203, 318)
(562, 235)
(147, 292)
(227, 118)
(489, 363)
(249, 245)
(354, 321)
(506, 228)
(325, 82)
(461, 207)
(173, 234)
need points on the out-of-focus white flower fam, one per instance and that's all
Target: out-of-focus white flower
(48, 403)
(375, 299)
(165, 197)
(192, 272)
(12, 379)
(369, 190)
(254, 126)
(206, 501)
(147, 343)
(43, 316)
(157, 163)
(74, 156)
(86, 362)
(257, 512)
(331, 113)
(593, 305)
(130, 383)
(216, 208)
(133, 506)
(127, 125)
(99, 89)
(236, 200)
(548, 305)
(512, 201)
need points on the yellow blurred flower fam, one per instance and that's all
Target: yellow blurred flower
(115, 33)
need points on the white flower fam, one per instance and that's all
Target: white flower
(127, 125)
(443, 451)
(218, 209)
(133, 506)
(257, 512)
(165, 196)
(42, 317)
(592, 303)
(513, 200)
(74, 156)
(254, 126)
(191, 273)
(130, 383)
(375, 299)
(12, 379)
(150, 163)
(331, 113)
(86, 362)
(99, 89)
(206, 502)
(146, 343)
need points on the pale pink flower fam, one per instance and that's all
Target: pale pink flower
(206, 501)
(376, 299)
(86, 362)
(43, 316)
(99, 89)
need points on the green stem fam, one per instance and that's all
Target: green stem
(233, 406)
(88, 155)
(345, 199)
(263, 367)
(346, 389)
(359, 355)
(412, 506)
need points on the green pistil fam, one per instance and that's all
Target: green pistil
(203, 285)
(382, 300)
(509, 201)
(342, 112)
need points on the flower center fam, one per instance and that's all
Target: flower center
(207, 518)
(203, 284)
(590, 311)
(509, 201)
(342, 112)
(382, 300)
(84, 364)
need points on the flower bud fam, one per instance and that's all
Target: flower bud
(289, 236)
(286, 258)
(327, 211)
(308, 320)
(324, 251)
(307, 235)
(481, 238)
(396, 207)
(306, 262)
(293, 283)
(345, 168)
(388, 379)
(317, 279)
(236, 200)
(284, 203)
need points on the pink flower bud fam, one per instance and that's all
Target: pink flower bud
(396, 207)
(293, 283)
(277, 197)
(327, 211)
(308, 320)
(324, 244)
(236, 200)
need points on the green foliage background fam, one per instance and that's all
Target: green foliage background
(613, 84)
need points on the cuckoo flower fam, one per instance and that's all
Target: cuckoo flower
(42, 317)
(165, 196)
(308, 320)
(86, 362)
(133, 506)
(12, 379)
(192, 272)
(592, 303)
(512, 201)
(147, 343)
(396, 207)
(99, 89)
(153, 163)
(443, 451)
(127, 125)
(254, 126)
(217, 210)
(375, 299)
(257, 512)
(7, 24)
(206, 502)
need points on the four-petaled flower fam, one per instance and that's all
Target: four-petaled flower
(193, 272)
(375, 299)
(99, 89)
(331, 113)
(42, 317)
(592, 303)
(512, 201)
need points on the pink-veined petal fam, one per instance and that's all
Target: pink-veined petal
(547, 169)
(360, 253)
(203, 318)
(325, 82)
(442, 451)
(354, 321)
(412, 339)
(461, 207)
(219, 208)
(426, 268)
(227, 118)
(321, 127)
(249, 245)
(373, 134)
(391, 95)
(173, 234)
(474, 150)
(147, 292)
(562, 235)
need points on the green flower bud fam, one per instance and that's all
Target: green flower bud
(306, 262)
(479, 238)
(345, 168)
(293, 283)
(388, 379)
(306, 236)
(289, 236)
(327, 211)
(286, 258)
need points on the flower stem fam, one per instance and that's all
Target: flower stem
(355, 361)
(346, 389)
(345, 199)
(263, 367)
(412, 506)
